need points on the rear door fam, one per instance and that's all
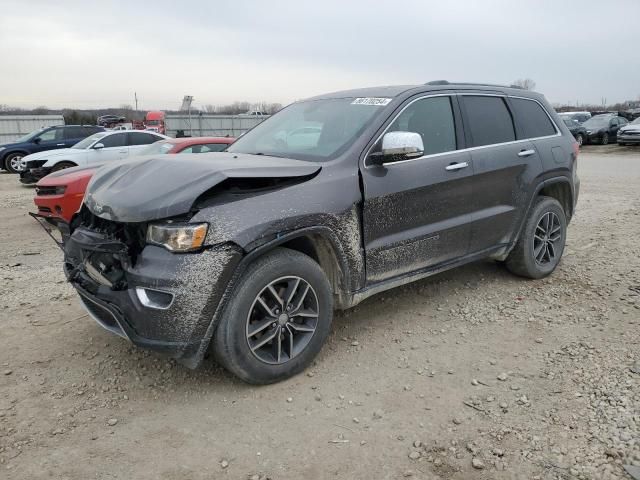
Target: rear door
(417, 212)
(503, 166)
(73, 135)
(138, 141)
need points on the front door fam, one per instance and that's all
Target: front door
(114, 148)
(417, 212)
(51, 139)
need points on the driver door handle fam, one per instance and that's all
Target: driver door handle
(456, 166)
(526, 153)
(60, 144)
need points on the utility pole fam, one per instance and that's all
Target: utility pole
(135, 96)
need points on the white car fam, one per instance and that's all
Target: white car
(98, 148)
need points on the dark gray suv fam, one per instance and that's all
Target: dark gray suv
(333, 199)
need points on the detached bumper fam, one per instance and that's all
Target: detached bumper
(32, 175)
(165, 303)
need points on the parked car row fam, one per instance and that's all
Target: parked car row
(59, 194)
(53, 138)
(600, 129)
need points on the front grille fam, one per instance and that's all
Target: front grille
(131, 234)
(630, 133)
(44, 209)
(44, 191)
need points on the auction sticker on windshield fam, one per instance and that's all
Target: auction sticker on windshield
(371, 101)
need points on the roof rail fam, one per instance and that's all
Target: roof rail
(446, 82)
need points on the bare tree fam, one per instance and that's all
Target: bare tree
(525, 83)
(210, 108)
(125, 106)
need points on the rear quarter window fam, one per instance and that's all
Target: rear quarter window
(489, 120)
(532, 119)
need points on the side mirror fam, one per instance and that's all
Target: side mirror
(37, 140)
(98, 146)
(398, 146)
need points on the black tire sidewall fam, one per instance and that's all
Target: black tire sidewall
(230, 342)
(543, 206)
(7, 162)
(62, 166)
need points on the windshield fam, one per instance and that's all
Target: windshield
(86, 143)
(313, 130)
(152, 122)
(597, 122)
(569, 122)
(158, 148)
(28, 136)
(636, 121)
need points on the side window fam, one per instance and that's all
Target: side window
(191, 149)
(90, 131)
(52, 134)
(214, 147)
(433, 119)
(116, 140)
(622, 121)
(140, 138)
(489, 120)
(532, 119)
(613, 122)
(73, 133)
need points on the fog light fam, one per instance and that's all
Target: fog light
(154, 298)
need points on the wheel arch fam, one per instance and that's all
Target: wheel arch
(319, 243)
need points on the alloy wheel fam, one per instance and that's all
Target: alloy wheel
(282, 320)
(605, 139)
(16, 163)
(547, 238)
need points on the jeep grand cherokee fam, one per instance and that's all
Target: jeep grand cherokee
(329, 201)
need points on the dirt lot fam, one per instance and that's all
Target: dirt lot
(470, 374)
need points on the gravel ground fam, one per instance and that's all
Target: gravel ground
(470, 374)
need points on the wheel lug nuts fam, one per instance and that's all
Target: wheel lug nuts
(273, 325)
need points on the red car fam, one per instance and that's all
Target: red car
(59, 194)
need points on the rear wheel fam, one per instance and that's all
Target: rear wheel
(62, 166)
(277, 318)
(13, 162)
(605, 139)
(541, 242)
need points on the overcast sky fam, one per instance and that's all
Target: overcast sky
(89, 54)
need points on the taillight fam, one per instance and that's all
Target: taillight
(576, 149)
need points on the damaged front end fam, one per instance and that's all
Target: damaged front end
(143, 292)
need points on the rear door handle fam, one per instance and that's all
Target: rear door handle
(526, 153)
(456, 166)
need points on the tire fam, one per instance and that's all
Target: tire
(245, 314)
(528, 258)
(12, 162)
(62, 165)
(579, 139)
(605, 139)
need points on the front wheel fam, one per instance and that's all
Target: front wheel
(579, 139)
(62, 166)
(277, 318)
(541, 241)
(13, 162)
(605, 139)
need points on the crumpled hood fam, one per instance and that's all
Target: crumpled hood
(151, 188)
(47, 154)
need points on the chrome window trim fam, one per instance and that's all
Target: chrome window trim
(462, 150)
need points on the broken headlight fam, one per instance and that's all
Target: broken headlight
(178, 237)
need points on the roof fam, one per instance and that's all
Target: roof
(394, 91)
